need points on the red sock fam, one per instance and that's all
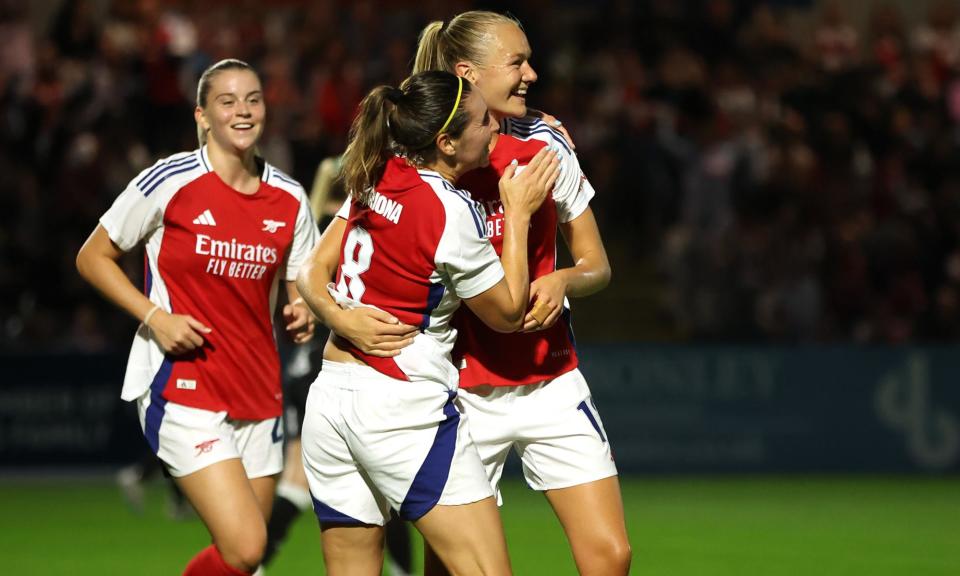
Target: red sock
(209, 562)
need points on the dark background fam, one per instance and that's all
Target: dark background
(774, 179)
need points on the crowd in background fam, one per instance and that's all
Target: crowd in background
(754, 184)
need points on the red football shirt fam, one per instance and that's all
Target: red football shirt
(489, 357)
(215, 254)
(416, 250)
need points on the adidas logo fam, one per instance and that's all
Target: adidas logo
(205, 219)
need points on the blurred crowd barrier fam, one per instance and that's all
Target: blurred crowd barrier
(665, 409)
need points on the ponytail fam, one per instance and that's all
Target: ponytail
(430, 52)
(465, 38)
(402, 121)
(370, 143)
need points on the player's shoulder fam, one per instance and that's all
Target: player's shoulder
(175, 170)
(448, 195)
(532, 129)
(279, 179)
(456, 202)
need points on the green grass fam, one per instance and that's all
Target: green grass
(818, 526)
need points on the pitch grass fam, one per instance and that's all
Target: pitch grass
(678, 526)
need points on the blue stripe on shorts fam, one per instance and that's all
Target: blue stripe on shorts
(157, 407)
(432, 477)
(327, 514)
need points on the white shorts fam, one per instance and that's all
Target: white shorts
(553, 426)
(371, 443)
(188, 439)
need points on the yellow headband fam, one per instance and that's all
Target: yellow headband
(456, 105)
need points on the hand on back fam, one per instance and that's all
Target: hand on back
(374, 331)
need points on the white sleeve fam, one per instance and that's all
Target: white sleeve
(572, 192)
(465, 254)
(344, 211)
(304, 239)
(132, 217)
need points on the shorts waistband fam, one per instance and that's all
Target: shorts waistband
(359, 376)
(349, 369)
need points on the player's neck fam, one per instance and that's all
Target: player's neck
(237, 171)
(451, 173)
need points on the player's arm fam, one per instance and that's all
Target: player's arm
(97, 263)
(589, 274)
(502, 306)
(373, 331)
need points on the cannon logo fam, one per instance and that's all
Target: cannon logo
(205, 446)
(272, 226)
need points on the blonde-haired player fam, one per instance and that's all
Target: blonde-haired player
(524, 391)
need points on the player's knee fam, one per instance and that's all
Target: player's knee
(620, 555)
(607, 556)
(246, 552)
(245, 559)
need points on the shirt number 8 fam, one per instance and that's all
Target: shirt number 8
(357, 252)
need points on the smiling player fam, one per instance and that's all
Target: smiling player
(222, 229)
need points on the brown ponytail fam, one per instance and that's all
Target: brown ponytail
(404, 121)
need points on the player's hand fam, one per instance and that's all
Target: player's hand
(374, 331)
(546, 297)
(554, 123)
(300, 321)
(177, 333)
(523, 191)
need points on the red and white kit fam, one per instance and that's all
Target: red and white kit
(539, 403)
(489, 357)
(217, 255)
(417, 268)
(388, 435)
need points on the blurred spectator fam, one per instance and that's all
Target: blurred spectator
(756, 181)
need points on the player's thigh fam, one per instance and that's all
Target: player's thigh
(563, 442)
(468, 539)
(226, 502)
(264, 488)
(592, 518)
(600, 502)
(352, 549)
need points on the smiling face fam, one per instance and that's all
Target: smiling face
(505, 76)
(232, 116)
(473, 144)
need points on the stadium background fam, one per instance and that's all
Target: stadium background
(778, 187)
